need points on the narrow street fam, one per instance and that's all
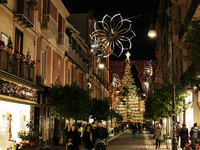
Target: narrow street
(124, 141)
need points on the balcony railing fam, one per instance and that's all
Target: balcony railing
(49, 26)
(25, 13)
(3, 1)
(14, 66)
(63, 39)
(73, 56)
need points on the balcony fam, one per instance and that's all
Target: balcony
(76, 59)
(11, 65)
(24, 13)
(49, 26)
(63, 41)
(3, 1)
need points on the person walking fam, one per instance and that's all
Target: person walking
(73, 138)
(139, 128)
(178, 129)
(88, 136)
(158, 133)
(195, 132)
(133, 129)
(184, 135)
(101, 133)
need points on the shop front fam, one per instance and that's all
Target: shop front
(13, 119)
(17, 103)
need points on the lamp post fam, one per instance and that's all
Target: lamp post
(174, 141)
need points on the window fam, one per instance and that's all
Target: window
(69, 76)
(4, 38)
(43, 63)
(45, 6)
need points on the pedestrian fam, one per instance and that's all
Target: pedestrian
(88, 136)
(93, 125)
(178, 130)
(139, 128)
(80, 130)
(101, 133)
(158, 135)
(73, 138)
(195, 132)
(133, 129)
(184, 135)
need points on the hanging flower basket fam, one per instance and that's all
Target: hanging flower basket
(16, 54)
(33, 64)
(22, 58)
(2, 45)
(9, 51)
(28, 61)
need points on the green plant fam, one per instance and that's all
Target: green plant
(32, 135)
(193, 143)
(10, 44)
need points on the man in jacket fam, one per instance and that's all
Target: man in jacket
(195, 131)
(178, 130)
(100, 132)
(133, 129)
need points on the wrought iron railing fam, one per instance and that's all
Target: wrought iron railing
(24, 12)
(3, 1)
(14, 66)
(49, 23)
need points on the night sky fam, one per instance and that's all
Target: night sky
(143, 47)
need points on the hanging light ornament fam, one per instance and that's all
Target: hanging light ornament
(112, 32)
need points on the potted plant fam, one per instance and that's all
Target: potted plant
(33, 4)
(23, 59)
(2, 45)
(9, 50)
(33, 64)
(16, 54)
(31, 138)
(28, 58)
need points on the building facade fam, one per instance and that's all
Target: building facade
(180, 8)
(49, 50)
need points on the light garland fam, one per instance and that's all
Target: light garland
(111, 35)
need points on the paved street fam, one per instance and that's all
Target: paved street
(125, 141)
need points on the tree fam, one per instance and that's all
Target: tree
(69, 101)
(192, 45)
(99, 109)
(159, 103)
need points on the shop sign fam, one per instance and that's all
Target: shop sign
(10, 89)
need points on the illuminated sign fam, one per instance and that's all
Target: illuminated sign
(10, 89)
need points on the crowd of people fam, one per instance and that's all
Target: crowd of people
(90, 135)
(182, 134)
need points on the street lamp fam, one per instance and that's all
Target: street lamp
(101, 65)
(152, 32)
(174, 141)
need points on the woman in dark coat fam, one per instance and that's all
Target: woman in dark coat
(88, 137)
(184, 135)
(73, 138)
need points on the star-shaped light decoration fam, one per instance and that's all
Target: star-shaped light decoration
(112, 32)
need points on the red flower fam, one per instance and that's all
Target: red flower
(33, 62)
(2, 43)
(187, 145)
(33, 143)
(16, 51)
(189, 138)
(39, 143)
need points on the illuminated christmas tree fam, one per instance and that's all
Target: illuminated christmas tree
(129, 106)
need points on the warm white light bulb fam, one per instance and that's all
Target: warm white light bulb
(152, 33)
(101, 65)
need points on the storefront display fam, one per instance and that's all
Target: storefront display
(13, 119)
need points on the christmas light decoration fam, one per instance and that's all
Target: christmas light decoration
(112, 32)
